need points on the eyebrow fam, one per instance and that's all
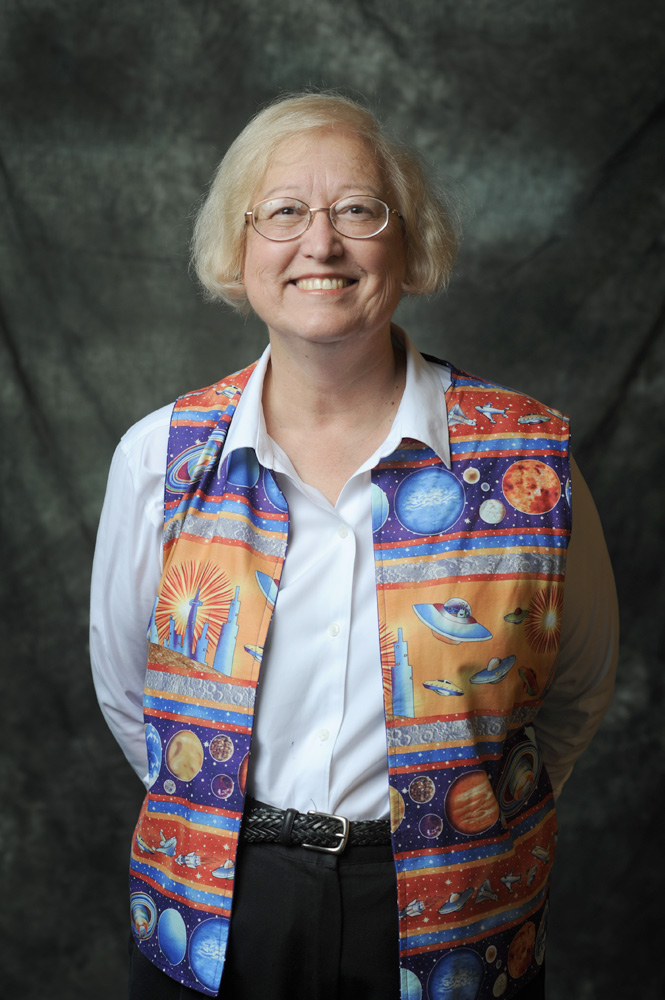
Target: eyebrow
(351, 190)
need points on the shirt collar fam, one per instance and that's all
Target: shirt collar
(421, 414)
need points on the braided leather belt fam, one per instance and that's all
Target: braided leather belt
(317, 831)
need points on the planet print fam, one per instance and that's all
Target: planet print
(243, 468)
(422, 789)
(492, 511)
(429, 501)
(500, 985)
(172, 936)
(206, 950)
(519, 778)
(169, 786)
(221, 748)
(184, 755)
(410, 985)
(379, 507)
(397, 808)
(521, 950)
(490, 954)
(541, 936)
(430, 826)
(222, 786)
(458, 975)
(143, 913)
(471, 475)
(471, 806)
(273, 491)
(531, 487)
(242, 774)
(185, 470)
(154, 748)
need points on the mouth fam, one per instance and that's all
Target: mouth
(323, 284)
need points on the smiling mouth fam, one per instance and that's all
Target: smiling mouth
(323, 284)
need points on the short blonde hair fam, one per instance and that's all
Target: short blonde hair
(430, 221)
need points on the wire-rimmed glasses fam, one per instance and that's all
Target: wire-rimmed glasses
(359, 217)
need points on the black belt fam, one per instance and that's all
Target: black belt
(318, 831)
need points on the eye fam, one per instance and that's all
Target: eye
(360, 209)
(280, 210)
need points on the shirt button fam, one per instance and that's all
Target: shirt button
(333, 629)
(323, 735)
(342, 531)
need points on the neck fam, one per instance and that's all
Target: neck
(328, 382)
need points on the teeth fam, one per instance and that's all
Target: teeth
(314, 284)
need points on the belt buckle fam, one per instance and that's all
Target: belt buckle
(343, 834)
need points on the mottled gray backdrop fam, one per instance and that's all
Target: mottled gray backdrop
(113, 115)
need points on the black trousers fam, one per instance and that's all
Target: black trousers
(306, 926)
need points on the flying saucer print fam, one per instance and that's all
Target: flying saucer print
(531, 487)
(452, 622)
(143, 914)
(519, 778)
(429, 501)
(443, 687)
(494, 672)
(267, 586)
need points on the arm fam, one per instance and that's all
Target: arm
(584, 681)
(125, 576)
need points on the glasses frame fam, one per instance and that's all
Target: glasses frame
(249, 217)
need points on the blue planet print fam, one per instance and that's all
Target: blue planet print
(456, 976)
(172, 936)
(379, 507)
(429, 501)
(206, 950)
(410, 985)
(154, 748)
(243, 468)
(273, 492)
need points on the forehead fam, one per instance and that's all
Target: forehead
(339, 162)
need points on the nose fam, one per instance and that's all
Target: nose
(321, 240)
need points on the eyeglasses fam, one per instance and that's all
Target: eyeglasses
(359, 217)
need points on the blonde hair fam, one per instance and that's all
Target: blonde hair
(431, 223)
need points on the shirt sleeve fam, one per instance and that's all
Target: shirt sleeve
(125, 577)
(584, 681)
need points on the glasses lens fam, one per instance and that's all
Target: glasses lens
(280, 218)
(359, 216)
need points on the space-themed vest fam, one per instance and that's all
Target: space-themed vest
(469, 578)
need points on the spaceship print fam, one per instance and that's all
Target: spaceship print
(452, 622)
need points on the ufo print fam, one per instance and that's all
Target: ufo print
(494, 672)
(267, 586)
(443, 687)
(452, 622)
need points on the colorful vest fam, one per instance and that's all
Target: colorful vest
(469, 577)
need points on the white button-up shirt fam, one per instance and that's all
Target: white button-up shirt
(319, 737)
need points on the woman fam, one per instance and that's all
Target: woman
(383, 538)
